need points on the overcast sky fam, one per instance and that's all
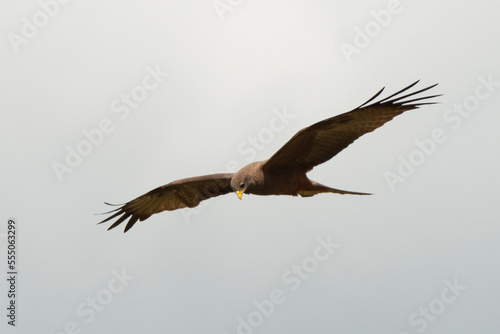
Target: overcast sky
(104, 101)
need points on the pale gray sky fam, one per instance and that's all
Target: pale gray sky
(176, 89)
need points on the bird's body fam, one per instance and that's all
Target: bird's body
(265, 181)
(282, 174)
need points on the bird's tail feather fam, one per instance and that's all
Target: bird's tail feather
(317, 188)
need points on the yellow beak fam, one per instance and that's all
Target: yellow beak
(240, 192)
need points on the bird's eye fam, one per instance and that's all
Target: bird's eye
(242, 185)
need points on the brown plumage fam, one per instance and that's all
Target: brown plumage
(285, 172)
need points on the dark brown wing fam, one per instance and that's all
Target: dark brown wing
(321, 141)
(185, 193)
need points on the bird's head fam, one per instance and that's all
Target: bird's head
(239, 183)
(245, 179)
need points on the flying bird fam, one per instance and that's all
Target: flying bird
(285, 172)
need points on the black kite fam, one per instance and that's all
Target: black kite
(285, 172)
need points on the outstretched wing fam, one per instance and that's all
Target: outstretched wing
(321, 141)
(185, 193)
